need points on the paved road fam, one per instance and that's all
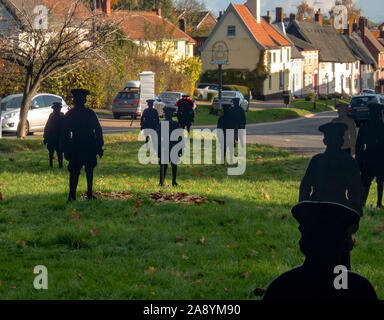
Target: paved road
(298, 135)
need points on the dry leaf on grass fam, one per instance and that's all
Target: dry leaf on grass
(1, 197)
(177, 197)
(94, 232)
(218, 201)
(202, 240)
(114, 195)
(379, 228)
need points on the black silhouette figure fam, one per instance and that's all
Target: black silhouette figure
(173, 125)
(185, 112)
(226, 121)
(370, 152)
(149, 118)
(351, 133)
(82, 140)
(323, 228)
(52, 134)
(239, 116)
(334, 176)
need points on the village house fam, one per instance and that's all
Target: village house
(377, 51)
(150, 31)
(339, 68)
(249, 38)
(198, 25)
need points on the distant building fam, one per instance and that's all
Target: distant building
(150, 31)
(250, 37)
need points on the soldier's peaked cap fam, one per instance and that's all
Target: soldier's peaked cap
(80, 93)
(333, 129)
(57, 105)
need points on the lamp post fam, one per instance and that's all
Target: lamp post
(316, 72)
(326, 101)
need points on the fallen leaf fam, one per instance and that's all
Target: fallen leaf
(1, 197)
(185, 257)
(181, 239)
(200, 275)
(266, 196)
(233, 246)
(177, 197)
(245, 274)
(94, 232)
(202, 240)
(80, 276)
(199, 281)
(284, 216)
(379, 228)
(152, 270)
(21, 242)
(138, 204)
(222, 202)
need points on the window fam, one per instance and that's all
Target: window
(347, 66)
(38, 102)
(270, 82)
(231, 31)
(274, 57)
(281, 80)
(281, 55)
(175, 45)
(269, 58)
(187, 50)
(288, 55)
(49, 100)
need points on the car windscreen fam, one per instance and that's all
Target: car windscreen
(229, 94)
(128, 95)
(362, 101)
(202, 86)
(169, 96)
(12, 103)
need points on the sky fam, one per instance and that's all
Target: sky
(372, 9)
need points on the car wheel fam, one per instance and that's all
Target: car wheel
(116, 116)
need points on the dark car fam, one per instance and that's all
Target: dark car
(358, 107)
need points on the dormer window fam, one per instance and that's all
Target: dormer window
(231, 31)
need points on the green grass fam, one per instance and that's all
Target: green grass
(321, 105)
(163, 251)
(203, 116)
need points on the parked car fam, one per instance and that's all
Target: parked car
(358, 107)
(169, 99)
(228, 96)
(38, 113)
(368, 91)
(205, 88)
(127, 102)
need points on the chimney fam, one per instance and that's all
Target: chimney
(319, 17)
(182, 25)
(292, 17)
(106, 6)
(279, 14)
(362, 25)
(355, 27)
(157, 11)
(220, 15)
(348, 31)
(254, 7)
(268, 17)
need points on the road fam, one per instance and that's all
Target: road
(298, 135)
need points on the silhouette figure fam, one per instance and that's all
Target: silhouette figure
(82, 140)
(239, 116)
(185, 112)
(334, 176)
(52, 134)
(351, 133)
(323, 227)
(173, 125)
(370, 152)
(149, 118)
(226, 121)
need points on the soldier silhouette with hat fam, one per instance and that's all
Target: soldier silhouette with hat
(370, 152)
(149, 118)
(82, 141)
(323, 227)
(239, 116)
(185, 112)
(351, 133)
(163, 148)
(52, 134)
(226, 122)
(334, 176)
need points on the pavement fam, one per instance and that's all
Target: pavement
(298, 135)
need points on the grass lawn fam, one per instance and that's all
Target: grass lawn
(140, 249)
(321, 105)
(203, 116)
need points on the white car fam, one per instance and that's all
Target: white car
(204, 89)
(38, 113)
(227, 98)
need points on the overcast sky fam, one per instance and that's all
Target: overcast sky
(372, 9)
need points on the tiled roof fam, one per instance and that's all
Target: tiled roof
(135, 23)
(330, 43)
(263, 32)
(371, 38)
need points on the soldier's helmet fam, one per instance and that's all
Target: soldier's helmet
(334, 133)
(150, 103)
(236, 102)
(80, 96)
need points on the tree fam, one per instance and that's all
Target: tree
(51, 41)
(146, 5)
(305, 11)
(354, 13)
(190, 6)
